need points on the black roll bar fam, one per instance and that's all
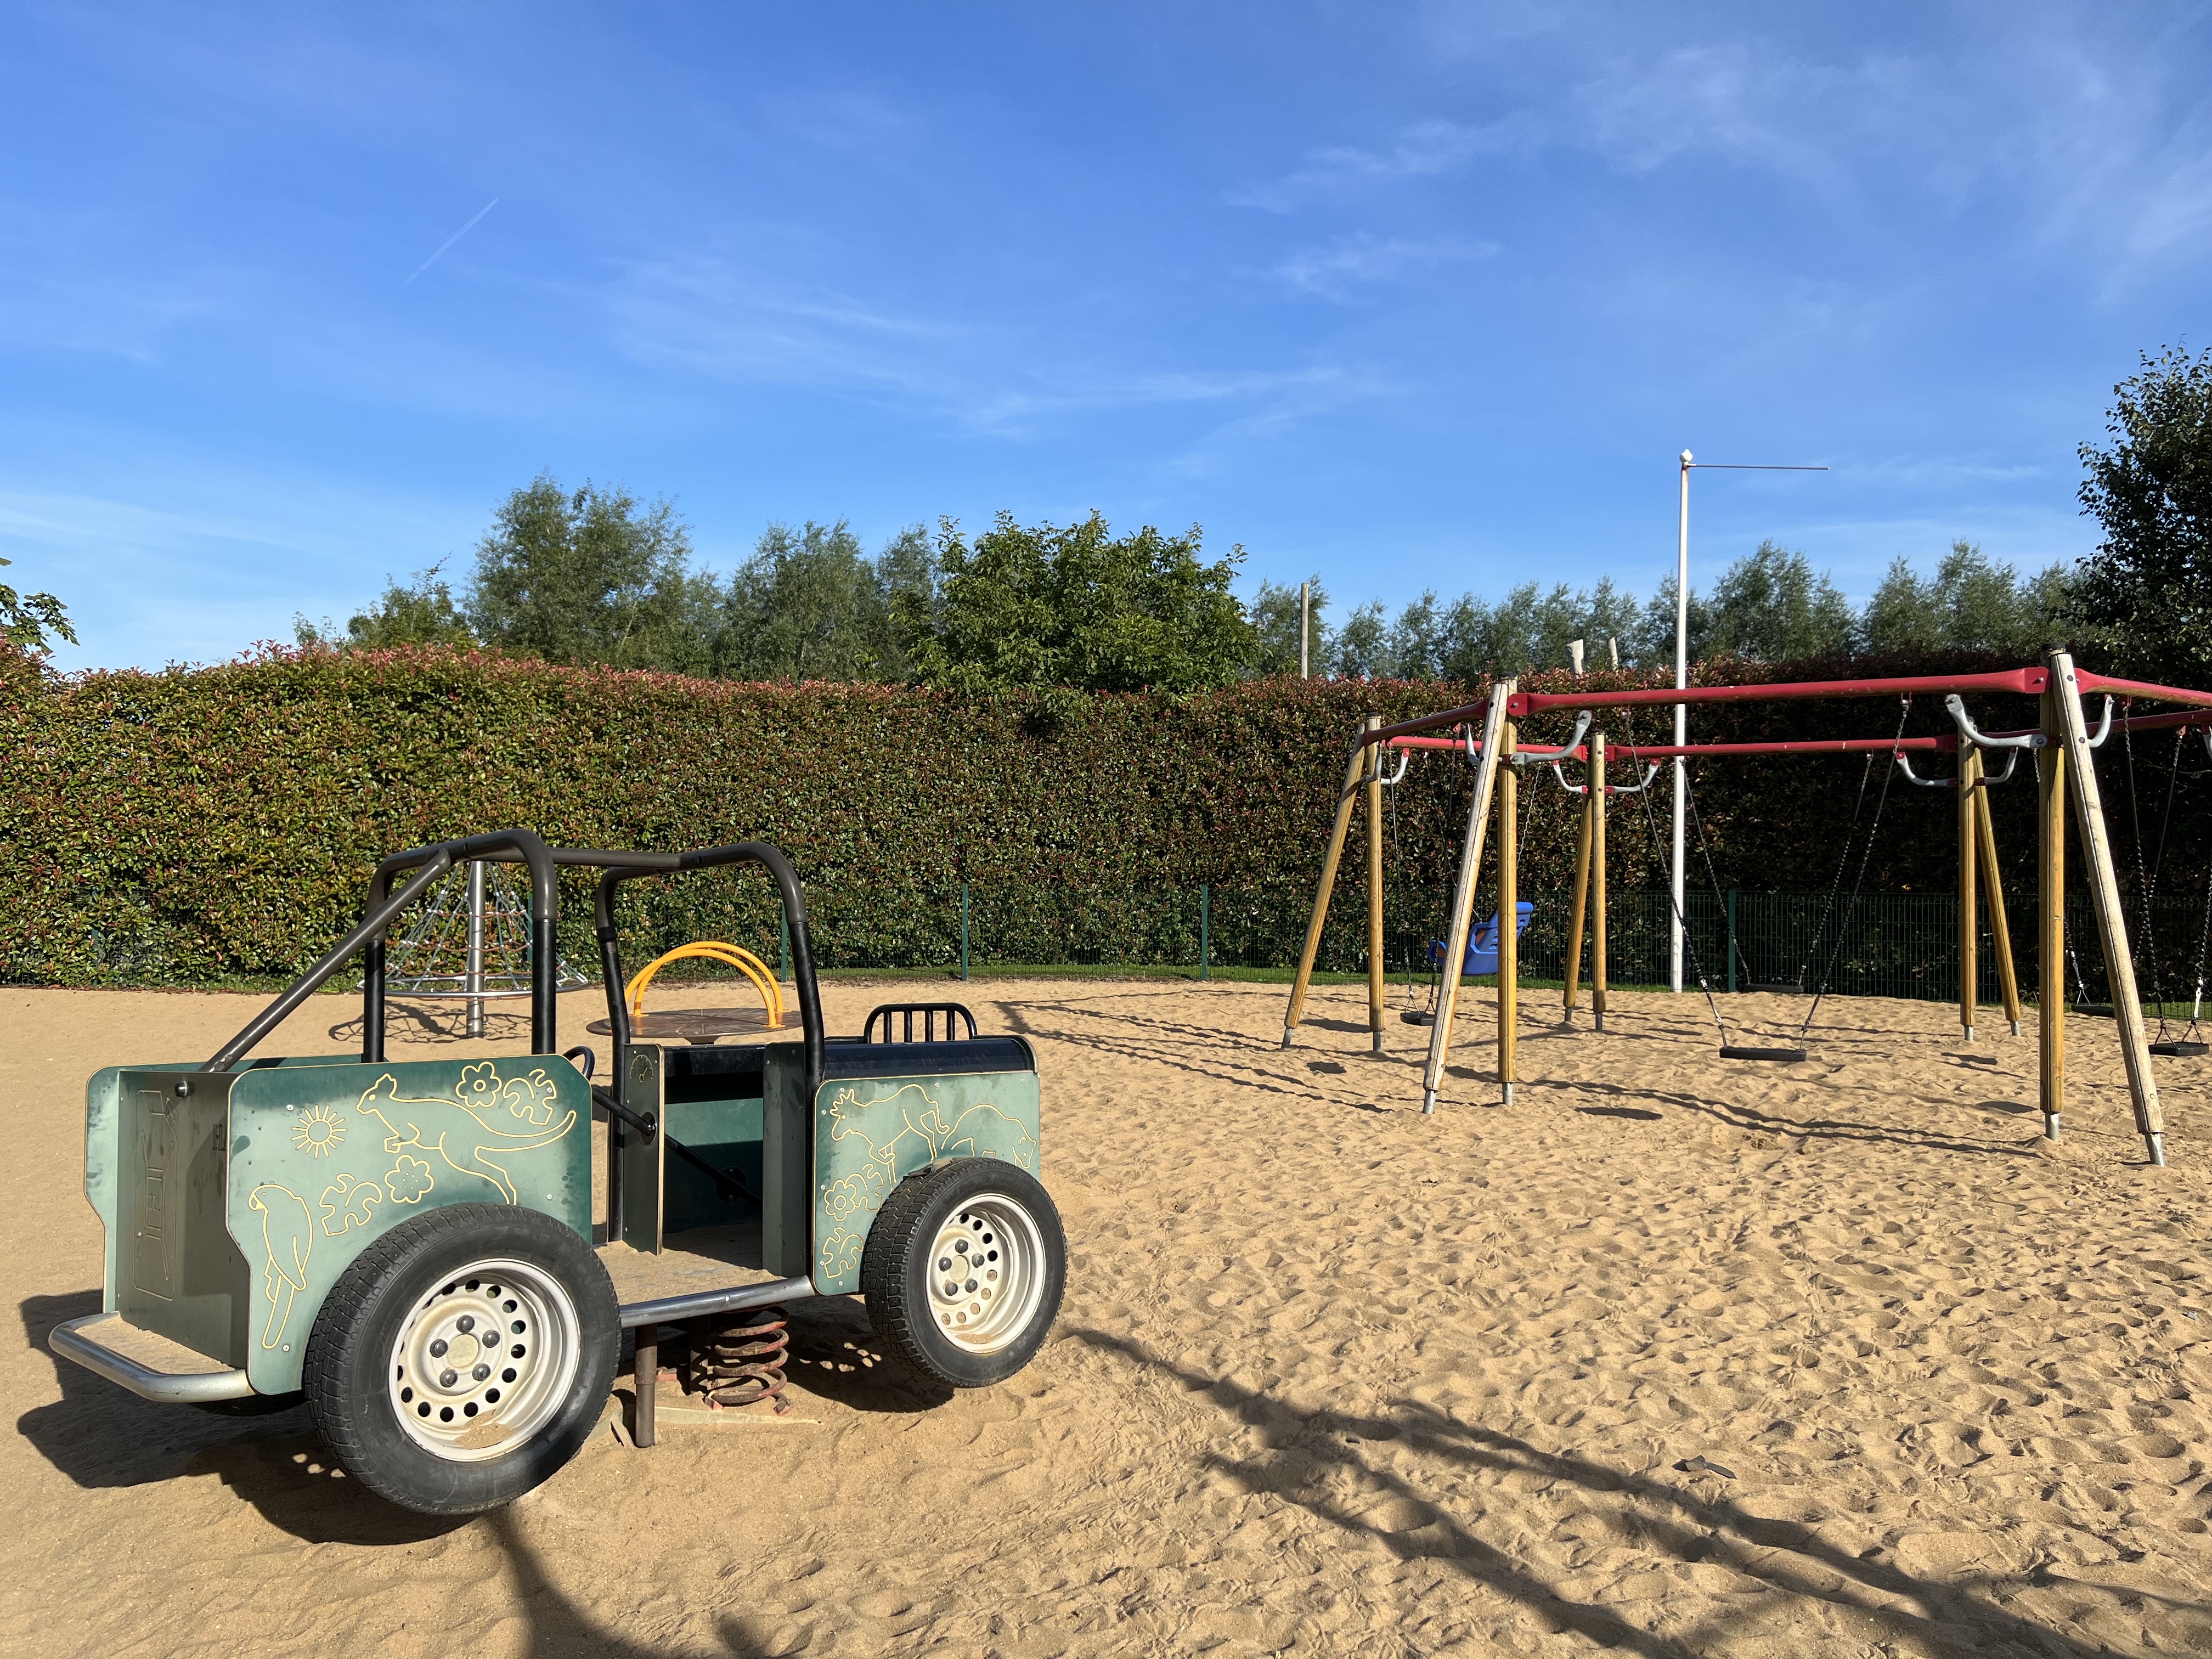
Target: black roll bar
(520, 845)
(372, 924)
(385, 902)
(627, 866)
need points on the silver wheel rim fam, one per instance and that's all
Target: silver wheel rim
(987, 1273)
(484, 1360)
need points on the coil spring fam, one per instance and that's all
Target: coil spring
(736, 1359)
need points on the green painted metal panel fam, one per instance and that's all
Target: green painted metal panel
(324, 1160)
(727, 1134)
(644, 1163)
(870, 1134)
(177, 1272)
(787, 1177)
(103, 1151)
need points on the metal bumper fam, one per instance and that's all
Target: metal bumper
(149, 1365)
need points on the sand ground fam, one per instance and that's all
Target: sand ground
(1672, 1356)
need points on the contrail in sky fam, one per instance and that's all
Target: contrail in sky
(450, 241)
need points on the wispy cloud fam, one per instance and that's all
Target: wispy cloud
(451, 239)
(1422, 150)
(718, 317)
(1333, 271)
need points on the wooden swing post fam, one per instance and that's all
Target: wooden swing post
(1577, 909)
(1597, 878)
(1344, 798)
(2112, 920)
(1969, 932)
(2050, 917)
(1470, 860)
(1999, 927)
(1508, 907)
(1376, 990)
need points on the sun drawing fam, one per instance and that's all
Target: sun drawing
(318, 1131)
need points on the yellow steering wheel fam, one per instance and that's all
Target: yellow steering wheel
(735, 956)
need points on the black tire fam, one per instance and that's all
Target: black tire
(993, 1207)
(251, 1405)
(415, 1282)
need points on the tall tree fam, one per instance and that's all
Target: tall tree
(2147, 592)
(420, 612)
(1972, 603)
(810, 606)
(1361, 649)
(26, 619)
(1653, 635)
(1079, 607)
(1771, 606)
(589, 576)
(1274, 614)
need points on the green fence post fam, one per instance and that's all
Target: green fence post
(963, 930)
(783, 957)
(1731, 942)
(1205, 928)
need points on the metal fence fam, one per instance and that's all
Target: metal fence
(1894, 944)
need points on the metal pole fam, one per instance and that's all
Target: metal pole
(1969, 924)
(1509, 910)
(1205, 930)
(1376, 989)
(1597, 879)
(1305, 626)
(963, 930)
(1681, 723)
(1731, 928)
(475, 1022)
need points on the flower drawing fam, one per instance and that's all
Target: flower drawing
(408, 1181)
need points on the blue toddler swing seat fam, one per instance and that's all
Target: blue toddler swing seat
(1482, 943)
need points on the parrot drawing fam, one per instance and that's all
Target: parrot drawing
(288, 1232)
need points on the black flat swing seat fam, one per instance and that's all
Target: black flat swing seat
(2182, 1051)
(1786, 1056)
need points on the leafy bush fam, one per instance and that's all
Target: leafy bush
(219, 825)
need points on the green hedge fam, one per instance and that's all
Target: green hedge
(218, 825)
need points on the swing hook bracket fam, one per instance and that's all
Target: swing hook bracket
(1956, 706)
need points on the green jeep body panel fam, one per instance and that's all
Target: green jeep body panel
(233, 1204)
(325, 1161)
(872, 1133)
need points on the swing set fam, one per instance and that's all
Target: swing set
(2061, 745)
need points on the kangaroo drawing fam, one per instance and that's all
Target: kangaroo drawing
(461, 1140)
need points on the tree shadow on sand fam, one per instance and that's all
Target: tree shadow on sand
(1668, 1518)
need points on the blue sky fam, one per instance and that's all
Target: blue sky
(1417, 296)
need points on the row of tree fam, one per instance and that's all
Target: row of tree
(591, 575)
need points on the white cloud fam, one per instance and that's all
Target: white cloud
(719, 318)
(1422, 150)
(1333, 271)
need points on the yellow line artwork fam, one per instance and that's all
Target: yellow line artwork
(287, 1237)
(452, 1128)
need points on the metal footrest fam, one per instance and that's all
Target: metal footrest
(149, 1365)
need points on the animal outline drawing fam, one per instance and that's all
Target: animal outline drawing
(287, 1237)
(922, 1137)
(451, 1129)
